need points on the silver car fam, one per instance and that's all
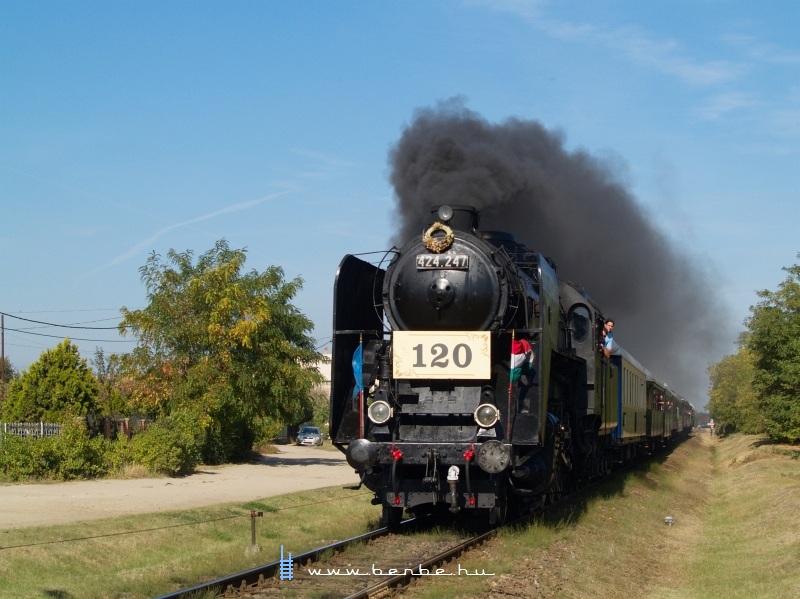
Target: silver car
(309, 435)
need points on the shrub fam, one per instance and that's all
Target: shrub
(170, 446)
(119, 454)
(228, 440)
(267, 430)
(75, 454)
(17, 460)
(70, 455)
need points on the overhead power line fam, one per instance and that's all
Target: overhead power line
(63, 326)
(72, 338)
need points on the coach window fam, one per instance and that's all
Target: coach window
(579, 323)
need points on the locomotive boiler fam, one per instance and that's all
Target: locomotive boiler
(467, 378)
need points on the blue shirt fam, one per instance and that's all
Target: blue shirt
(608, 342)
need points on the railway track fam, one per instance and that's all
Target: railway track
(367, 565)
(371, 564)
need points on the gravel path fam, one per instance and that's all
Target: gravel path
(293, 469)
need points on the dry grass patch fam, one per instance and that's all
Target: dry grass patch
(736, 533)
(132, 471)
(610, 542)
(150, 555)
(752, 548)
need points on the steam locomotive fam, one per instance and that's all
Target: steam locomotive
(466, 377)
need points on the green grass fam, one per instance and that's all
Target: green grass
(751, 543)
(736, 535)
(154, 554)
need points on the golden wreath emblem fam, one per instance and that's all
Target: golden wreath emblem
(438, 244)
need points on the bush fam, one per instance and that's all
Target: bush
(119, 454)
(74, 454)
(170, 446)
(267, 430)
(227, 440)
(17, 459)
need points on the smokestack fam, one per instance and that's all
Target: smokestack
(464, 218)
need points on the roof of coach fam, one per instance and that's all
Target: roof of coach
(620, 352)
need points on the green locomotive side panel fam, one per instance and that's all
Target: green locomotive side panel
(548, 322)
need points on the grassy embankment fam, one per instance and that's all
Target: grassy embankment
(736, 534)
(153, 554)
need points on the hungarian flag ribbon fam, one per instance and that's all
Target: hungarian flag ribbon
(521, 358)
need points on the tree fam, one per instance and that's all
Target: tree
(110, 400)
(58, 386)
(733, 401)
(9, 374)
(774, 340)
(228, 346)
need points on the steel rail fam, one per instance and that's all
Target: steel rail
(260, 574)
(409, 574)
(267, 571)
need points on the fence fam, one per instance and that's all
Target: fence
(109, 427)
(116, 427)
(31, 429)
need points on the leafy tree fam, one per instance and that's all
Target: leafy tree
(110, 399)
(226, 345)
(320, 404)
(774, 340)
(733, 401)
(58, 386)
(9, 374)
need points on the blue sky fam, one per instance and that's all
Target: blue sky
(133, 127)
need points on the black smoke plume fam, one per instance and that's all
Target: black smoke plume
(570, 207)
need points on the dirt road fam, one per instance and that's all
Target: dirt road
(293, 469)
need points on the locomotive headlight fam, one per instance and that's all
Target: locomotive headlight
(379, 412)
(486, 415)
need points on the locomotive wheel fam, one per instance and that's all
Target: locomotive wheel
(555, 491)
(499, 513)
(392, 516)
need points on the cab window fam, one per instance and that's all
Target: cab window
(580, 324)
